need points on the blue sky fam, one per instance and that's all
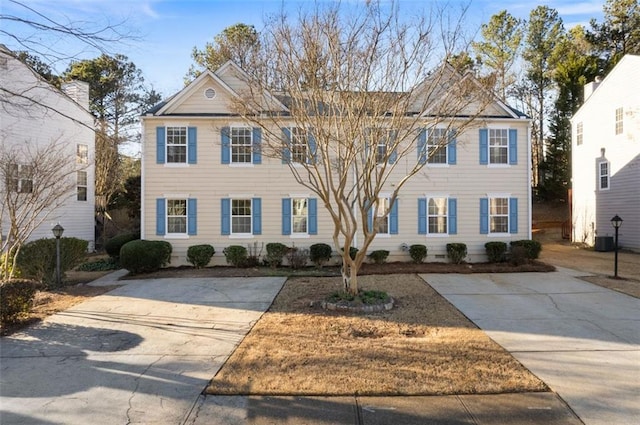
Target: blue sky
(167, 30)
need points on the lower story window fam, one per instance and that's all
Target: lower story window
(437, 216)
(299, 215)
(382, 221)
(499, 215)
(241, 216)
(176, 216)
(81, 178)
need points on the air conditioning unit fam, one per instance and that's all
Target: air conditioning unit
(604, 243)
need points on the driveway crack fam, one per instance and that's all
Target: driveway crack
(135, 390)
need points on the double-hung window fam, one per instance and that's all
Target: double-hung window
(298, 145)
(82, 154)
(176, 145)
(603, 175)
(437, 146)
(498, 215)
(579, 133)
(437, 216)
(498, 146)
(241, 216)
(241, 145)
(381, 218)
(299, 216)
(81, 178)
(20, 178)
(177, 216)
(619, 120)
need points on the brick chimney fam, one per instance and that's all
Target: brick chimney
(78, 91)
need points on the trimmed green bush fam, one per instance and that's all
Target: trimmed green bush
(531, 247)
(457, 252)
(37, 260)
(142, 256)
(496, 251)
(236, 255)
(418, 253)
(103, 264)
(113, 245)
(200, 255)
(275, 253)
(518, 255)
(320, 253)
(379, 256)
(16, 298)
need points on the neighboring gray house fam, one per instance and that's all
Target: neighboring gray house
(606, 158)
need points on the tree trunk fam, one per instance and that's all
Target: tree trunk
(349, 276)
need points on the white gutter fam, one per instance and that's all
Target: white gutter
(529, 200)
(142, 180)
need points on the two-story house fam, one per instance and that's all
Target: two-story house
(36, 116)
(206, 180)
(606, 158)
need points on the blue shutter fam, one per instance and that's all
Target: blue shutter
(311, 141)
(513, 215)
(192, 214)
(257, 145)
(452, 222)
(452, 148)
(225, 142)
(422, 216)
(225, 214)
(192, 145)
(286, 216)
(393, 218)
(256, 212)
(422, 147)
(484, 216)
(312, 212)
(484, 146)
(513, 146)
(286, 144)
(161, 214)
(160, 145)
(393, 156)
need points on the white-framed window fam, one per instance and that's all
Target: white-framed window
(619, 120)
(241, 145)
(603, 175)
(241, 216)
(176, 145)
(381, 222)
(81, 179)
(437, 216)
(579, 133)
(498, 146)
(298, 145)
(176, 216)
(381, 151)
(20, 178)
(498, 215)
(437, 146)
(82, 154)
(299, 216)
(381, 139)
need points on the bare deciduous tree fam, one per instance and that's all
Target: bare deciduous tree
(344, 97)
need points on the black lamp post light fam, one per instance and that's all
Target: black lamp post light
(57, 232)
(616, 222)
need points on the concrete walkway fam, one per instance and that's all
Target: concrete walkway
(140, 354)
(581, 339)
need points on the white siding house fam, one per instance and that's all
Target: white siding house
(606, 157)
(34, 113)
(199, 186)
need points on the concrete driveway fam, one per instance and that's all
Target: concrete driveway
(141, 354)
(581, 339)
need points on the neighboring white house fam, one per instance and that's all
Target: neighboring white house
(606, 157)
(35, 114)
(201, 185)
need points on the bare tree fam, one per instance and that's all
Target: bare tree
(35, 180)
(354, 93)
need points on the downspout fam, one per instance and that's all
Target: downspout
(142, 181)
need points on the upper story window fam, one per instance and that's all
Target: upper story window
(579, 134)
(241, 145)
(82, 154)
(298, 145)
(603, 175)
(20, 178)
(81, 182)
(498, 146)
(381, 140)
(437, 216)
(437, 146)
(177, 145)
(619, 120)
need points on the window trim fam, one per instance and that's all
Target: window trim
(85, 186)
(387, 218)
(490, 146)
(185, 144)
(579, 133)
(298, 137)
(231, 216)
(619, 121)
(23, 173)
(82, 157)
(168, 233)
(293, 216)
(607, 175)
(446, 216)
(235, 145)
(430, 137)
(490, 215)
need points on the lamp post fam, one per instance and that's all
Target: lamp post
(616, 222)
(57, 232)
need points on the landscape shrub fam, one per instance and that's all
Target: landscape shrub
(200, 255)
(103, 264)
(297, 257)
(518, 255)
(456, 252)
(236, 255)
(142, 256)
(253, 255)
(496, 251)
(37, 260)
(418, 253)
(320, 253)
(275, 253)
(379, 256)
(531, 247)
(16, 298)
(353, 251)
(113, 245)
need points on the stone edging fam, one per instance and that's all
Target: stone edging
(364, 308)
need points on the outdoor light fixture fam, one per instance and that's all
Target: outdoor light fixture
(57, 232)
(616, 222)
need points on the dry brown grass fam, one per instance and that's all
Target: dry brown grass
(424, 346)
